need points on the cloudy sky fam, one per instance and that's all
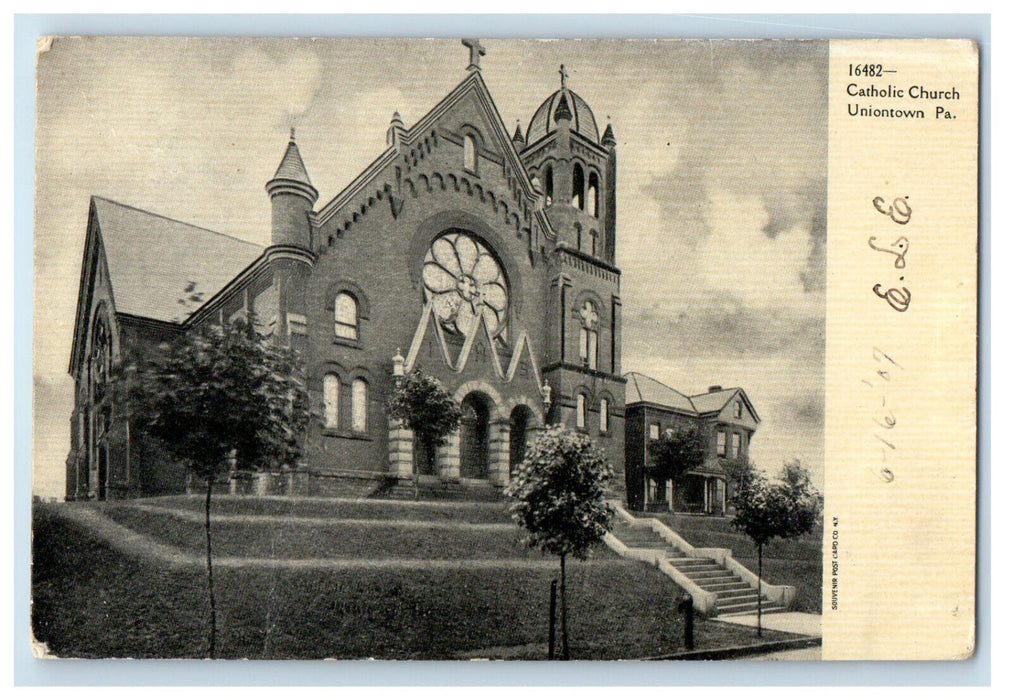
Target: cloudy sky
(721, 184)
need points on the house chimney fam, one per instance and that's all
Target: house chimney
(715, 387)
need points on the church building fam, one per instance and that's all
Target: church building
(485, 259)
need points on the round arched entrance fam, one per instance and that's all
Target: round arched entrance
(474, 433)
(521, 419)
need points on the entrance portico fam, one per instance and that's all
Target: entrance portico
(487, 446)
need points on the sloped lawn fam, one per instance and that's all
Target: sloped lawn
(795, 562)
(91, 601)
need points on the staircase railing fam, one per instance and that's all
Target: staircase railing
(702, 600)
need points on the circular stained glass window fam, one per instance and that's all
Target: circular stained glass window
(463, 280)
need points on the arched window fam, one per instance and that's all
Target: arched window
(346, 316)
(588, 334)
(737, 409)
(101, 358)
(578, 193)
(549, 185)
(331, 400)
(604, 415)
(581, 411)
(359, 405)
(592, 187)
(470, 154)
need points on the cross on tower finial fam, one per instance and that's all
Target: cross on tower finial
(477, 51)
(291, 135)
(563, 74)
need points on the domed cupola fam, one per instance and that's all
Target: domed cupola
(561, 101)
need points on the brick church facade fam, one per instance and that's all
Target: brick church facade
(485, 259)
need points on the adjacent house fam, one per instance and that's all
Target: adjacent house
(728, 420)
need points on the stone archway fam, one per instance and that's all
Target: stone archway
(475, 431)
(521, 421)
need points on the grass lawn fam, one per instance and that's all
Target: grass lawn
(300, 540)
(91, 601)
(326, 508)
(795, 562)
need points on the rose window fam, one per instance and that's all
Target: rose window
(463, 280)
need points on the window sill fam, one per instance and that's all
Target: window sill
(348, 342)
(347, 434)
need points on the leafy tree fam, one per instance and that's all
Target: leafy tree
(737, 470)
(428, 409)
(216, 395)
(675, 453)
(558, 494)
(765, 510)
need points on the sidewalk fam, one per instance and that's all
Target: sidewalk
(796, 622)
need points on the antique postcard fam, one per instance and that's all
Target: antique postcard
(499, 349)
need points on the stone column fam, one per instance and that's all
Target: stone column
(499, 452)
(400, 442)
(448, 458)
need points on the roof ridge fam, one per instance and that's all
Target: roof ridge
(719, 391)
(657, 381)
(177, 221)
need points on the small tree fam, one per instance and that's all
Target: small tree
(218, 395)
(428, 409)
(765, 510)
(675, 453)
(558, 494)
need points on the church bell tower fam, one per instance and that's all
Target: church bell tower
(576, 167)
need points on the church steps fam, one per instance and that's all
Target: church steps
(717, 583)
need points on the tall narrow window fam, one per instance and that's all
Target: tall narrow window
(592, 188)
(735, 445)
(604, 416)
(655, 431)
(581, 411)
(549, 185)
(470, 154)
(346, 316)
(331, 400)
(721, 443)
(578, 193)
(737, 409)
(588, 334)
(359, 405)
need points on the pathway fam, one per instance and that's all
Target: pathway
(797, 622)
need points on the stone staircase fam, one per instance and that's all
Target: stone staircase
(734, 596)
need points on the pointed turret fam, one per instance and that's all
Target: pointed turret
(608, 140)
(292, 198)
(396, 130)
(518, 137)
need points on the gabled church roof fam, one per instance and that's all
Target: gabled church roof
(474, 84)
(165, 269)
